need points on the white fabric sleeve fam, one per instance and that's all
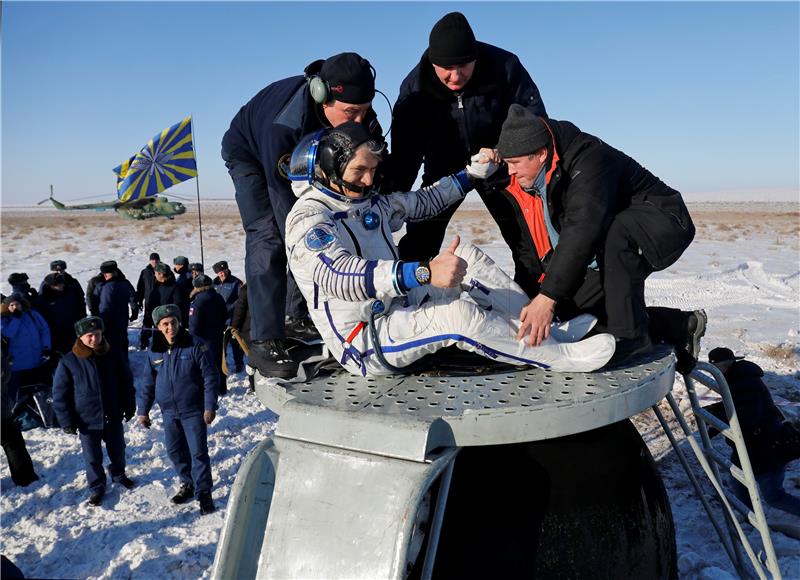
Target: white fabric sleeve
(426, 202)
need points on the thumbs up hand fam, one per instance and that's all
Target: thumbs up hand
(447, 269)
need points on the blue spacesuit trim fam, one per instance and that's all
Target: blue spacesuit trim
(369, 273)
(463, 181)
(408, 279)
(458, 338)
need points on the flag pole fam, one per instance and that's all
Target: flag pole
(197, 183)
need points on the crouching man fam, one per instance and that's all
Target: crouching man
(378, 314)
(92, 392)
(181, 377)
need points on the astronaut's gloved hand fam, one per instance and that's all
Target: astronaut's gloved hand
(483, 164)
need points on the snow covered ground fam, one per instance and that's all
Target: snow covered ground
(743, 269)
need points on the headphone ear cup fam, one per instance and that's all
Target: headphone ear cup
(318, 89)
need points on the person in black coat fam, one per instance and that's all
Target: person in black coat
(766, 431)
(20, 285)
(207, 319)
(117, 305)
(183, 276)
(167, 291)
(240, 323)
(256, 149)
(92, 393)
(60, 267)
(19, 460)
(452, 103)
(63, 307)
(144, 288)
(591, 224)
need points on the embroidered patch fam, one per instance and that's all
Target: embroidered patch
(283, 165)
(320, 237)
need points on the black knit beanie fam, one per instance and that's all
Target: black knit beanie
(523, 133)
(350, 78)
(451, 41)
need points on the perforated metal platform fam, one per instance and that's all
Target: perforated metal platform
(510, 407)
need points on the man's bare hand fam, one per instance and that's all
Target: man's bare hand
(144, 421)
(447, 269)
(209, 416)
(536, 318)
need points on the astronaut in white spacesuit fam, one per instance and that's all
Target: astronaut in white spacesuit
(378, 314)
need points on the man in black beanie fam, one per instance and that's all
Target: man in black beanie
(451, 104)
(256, 149)
(593, 224)
(144, 290)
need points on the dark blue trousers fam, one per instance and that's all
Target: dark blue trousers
(271, 290)
(91, 443)
(187, 446)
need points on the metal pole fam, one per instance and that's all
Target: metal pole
(197, 183)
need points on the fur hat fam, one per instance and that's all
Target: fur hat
(202, 280)
(54, 278)
(163, 268)
(108, 267)
(452, 41)
(58, 265)
(220, 266)
(89, 324)
(180, 261)
(197, 267)
(523, 133)
(164, 311)
(18, 278)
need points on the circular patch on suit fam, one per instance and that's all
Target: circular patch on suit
(320, 237)
(283, 165)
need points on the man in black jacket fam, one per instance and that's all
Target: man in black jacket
(764, 428)
(450, 105)
(144, 287)
(208, 316)
(591, 225)
(256, 148)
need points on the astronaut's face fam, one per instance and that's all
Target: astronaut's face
(360, 171)
(526, 167)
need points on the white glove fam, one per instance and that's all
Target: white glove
(481, 166)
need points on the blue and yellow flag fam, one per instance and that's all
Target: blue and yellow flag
(167, 159)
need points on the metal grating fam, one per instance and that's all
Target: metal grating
(431, 397)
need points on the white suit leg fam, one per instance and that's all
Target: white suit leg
(488, 285)
(432, 321)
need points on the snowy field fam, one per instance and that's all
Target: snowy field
(743, 269)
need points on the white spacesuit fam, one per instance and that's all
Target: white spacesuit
(343, 257)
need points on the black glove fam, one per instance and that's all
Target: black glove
(70, 430)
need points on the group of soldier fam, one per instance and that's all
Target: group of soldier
(49, 339)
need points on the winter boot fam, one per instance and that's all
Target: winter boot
(126, 482)
(96, 498)
(206, 503)
(185, 493)
(271, 359)
(629, 349)
(302, 330)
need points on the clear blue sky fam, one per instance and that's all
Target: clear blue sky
(706, 95)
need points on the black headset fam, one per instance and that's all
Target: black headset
(318, 87)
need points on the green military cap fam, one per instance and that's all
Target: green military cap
(164, 311)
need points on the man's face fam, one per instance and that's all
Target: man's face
(195, 273)
(169, 327)
(107, 275)
(92, 339)
(360, 170)
(161, 277)
(154, 263)
(455, 77)
(338, 112)
(223, 275)
(178, 268)
(526, 167)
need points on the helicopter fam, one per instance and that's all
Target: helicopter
(137, 209)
